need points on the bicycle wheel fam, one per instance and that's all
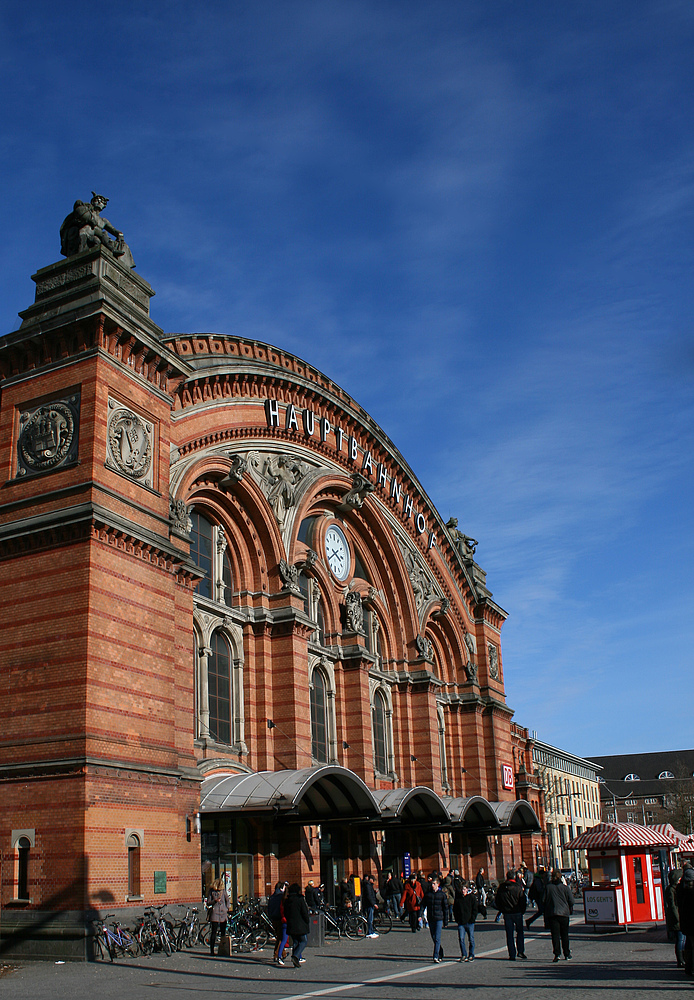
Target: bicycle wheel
(355, 926)
(129, 946)
(383, 922)
(204, 933)
(164, 941)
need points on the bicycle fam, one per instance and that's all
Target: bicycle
(383, 922)
(188, 929)
(115, 943)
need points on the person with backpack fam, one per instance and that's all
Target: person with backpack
(298, 922)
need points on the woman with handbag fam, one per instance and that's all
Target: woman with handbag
(218, 904)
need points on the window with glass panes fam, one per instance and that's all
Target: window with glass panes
(219, 687)
(319, 719)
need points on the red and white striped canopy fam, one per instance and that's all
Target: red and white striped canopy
(620, 835)
(669, 831)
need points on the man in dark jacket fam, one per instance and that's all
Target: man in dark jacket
(685, 905)
(391, 892)
(510, 901)
(672, 917)
(297, 916)
(436, 905)
(347, 897)
(559, 905)
(369, 904)
(465, 912)
(310, 895)
(536, 892)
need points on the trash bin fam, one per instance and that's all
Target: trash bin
(316, 930)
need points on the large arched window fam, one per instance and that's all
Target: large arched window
(219, 688)
(380, 733)
(133, 844)
(319, 718)
(208, 550)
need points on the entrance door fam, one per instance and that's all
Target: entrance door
(638, 888)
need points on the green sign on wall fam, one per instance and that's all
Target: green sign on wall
(160, 882)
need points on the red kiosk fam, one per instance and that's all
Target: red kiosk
(624, 888)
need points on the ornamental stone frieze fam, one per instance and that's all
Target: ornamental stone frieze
(179, 517)
(354, 612)
(130, 444)
(48, 436)
(279, 477)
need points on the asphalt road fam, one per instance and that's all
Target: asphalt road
(396, 966)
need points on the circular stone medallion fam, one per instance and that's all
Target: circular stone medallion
(46, 436)
(129, 443)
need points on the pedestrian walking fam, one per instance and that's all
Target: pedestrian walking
(411, 901)
(465, 911)
(347, 897)
(369, 904)
(481, 890)
(559, 905)
(275, 911)
(218, 903)
(297, 917)
(310, 894)
(685, 905)
(537, 896)
(672, 917)
(391, 892)
(436, 904)
(510, 900)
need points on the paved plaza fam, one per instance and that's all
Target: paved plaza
(396, 966)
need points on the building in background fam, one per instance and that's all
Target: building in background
(649, 788)
(238, 637)
(571, 799)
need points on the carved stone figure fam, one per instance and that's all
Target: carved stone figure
(354, 612)
(130, 442)
(470, 668)
(290, 577)
(310, 560)
(493, 662)
(471, 671)
(239, 465)
(84, 228)
(279, 477)
(361, 487)
(444, 609)
(179, 516)
(424, 647)
(464, 544)
(46, 437)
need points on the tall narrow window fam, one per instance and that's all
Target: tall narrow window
(219, 688)
(227, 581)
(442, 748)
(379, 734)
(319, 720)
(201, 551)
(320, 620)
(23, 847)
(133, 844)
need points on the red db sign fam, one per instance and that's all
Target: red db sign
(507, 771)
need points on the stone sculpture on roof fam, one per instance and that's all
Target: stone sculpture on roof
(85, 228)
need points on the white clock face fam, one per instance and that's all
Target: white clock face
(337, 552)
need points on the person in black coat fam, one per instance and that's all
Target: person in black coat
(369, 904)
(297, 916)
(685, 905)
(465, 910)
(559, 905)
(510, 901)
(436, 905)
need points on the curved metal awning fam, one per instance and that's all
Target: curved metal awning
(412, 806)
(312, 794)
(517, 816)
(473, 814)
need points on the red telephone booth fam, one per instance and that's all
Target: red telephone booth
(623, 889)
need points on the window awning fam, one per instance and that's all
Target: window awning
(416, 806)
(312, 794)
(473, 814)
(517, 816)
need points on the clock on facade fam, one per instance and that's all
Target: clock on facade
(337, 552)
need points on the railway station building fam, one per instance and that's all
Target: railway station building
(236, 633)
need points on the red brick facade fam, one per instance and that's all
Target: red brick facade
(108, 672)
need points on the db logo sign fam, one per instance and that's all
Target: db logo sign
(508, 775)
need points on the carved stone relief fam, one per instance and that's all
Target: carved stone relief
(354, 612)
(179, 517)
(279, 477)
(290, 577)
(493, 662)
(48, 436)
(361, 487)
(422, 584)
(424, 647)
(130, 443)
(239, 466)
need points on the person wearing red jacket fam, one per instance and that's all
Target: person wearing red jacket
(411, 899)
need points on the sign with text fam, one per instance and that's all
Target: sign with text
(407, 864)
(507, 776)
(600, 906)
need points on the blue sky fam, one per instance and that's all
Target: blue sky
(477, 218)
